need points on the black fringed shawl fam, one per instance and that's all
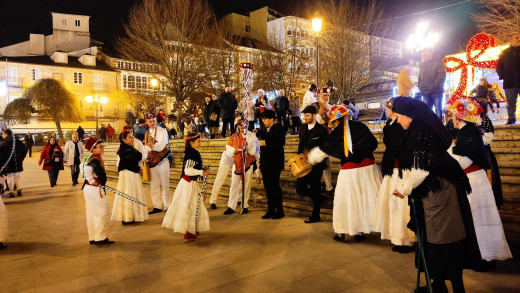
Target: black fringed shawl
(129, 158)
(194, 155)
(469, 144)
(392, 136)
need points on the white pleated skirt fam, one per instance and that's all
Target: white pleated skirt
(181, 214)
(355, 200)
(126, 210)
(488, 226)
(4, 224)
(392, 213)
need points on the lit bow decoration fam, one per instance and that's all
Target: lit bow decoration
(480, 43)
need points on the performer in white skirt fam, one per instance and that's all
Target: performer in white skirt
(3, 225)
(226, 164)
(129, 160)
(392, 213)
(359, 179)
(469, 150)
(182, 215)
(96, 203)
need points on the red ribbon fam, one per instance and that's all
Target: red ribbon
(480, 42)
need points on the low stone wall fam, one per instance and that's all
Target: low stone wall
(506, 146)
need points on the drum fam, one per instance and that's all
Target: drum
(146, 172)
(299, 165)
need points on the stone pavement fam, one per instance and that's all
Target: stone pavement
(49, 252)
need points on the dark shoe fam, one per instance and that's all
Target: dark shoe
(104, 242)
(244, 211)
(339, 237)
(278, 216)
(405, 248)
(188, 237)
(330, 192)
(2, 246)
(312, 220)
(155, 211)
(267, 215)
(239, 203)
(74, 183)
(92, 242)
(11, 195)
(128, 223)
(229, 211)
(359, 238)
(19, 192)
(213, 206)
(396, 248)
(510, 122)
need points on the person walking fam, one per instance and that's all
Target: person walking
(72, 156)
(110, 132)
(272, 141)
(294, 104)
(431, 80)
(52, 160)
(29, 142)
(103, 133)
(508, 69)
(80, 133)
(14, 166)
(281, 106)
(228, 104)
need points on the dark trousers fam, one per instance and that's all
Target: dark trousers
(434, 100)
(271, 178)
(445, 263)
(225, 123)
(53, 174)
(512, 96)
(29, 151)
(251, 126)
(310, 185)
(110, 139)
(296, 122)
(283, 120)
(74, 172)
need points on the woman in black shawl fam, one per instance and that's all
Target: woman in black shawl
(437, 189)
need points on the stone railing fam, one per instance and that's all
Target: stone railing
(506, 146)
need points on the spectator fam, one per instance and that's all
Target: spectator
(103, 133)
(80, 133)
(73, 155)
(15, 164)
(196, 114)
(29, 142)
(508, 70)
(214, 118)
(228, 104)
(404, 82)
(161, 117)
(262, 104)
(295, 113)
(281, 106)
(129, 119)
(431, 80)
(310, 96)
(140, 129)
(52, 160)
(334, 97)
(354, 109)
(110, 132)
(201, 127)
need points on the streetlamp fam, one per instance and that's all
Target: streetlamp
(154, 82)
(96, 101)
(316, 26)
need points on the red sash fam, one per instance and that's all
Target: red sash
(364, 163)
(189, 178)
(472, 168)
(396, 164)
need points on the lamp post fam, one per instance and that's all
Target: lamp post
(154, 82)
(96, 101)
(316, 26)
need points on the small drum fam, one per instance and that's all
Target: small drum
(299, 165)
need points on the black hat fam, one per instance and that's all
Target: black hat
(310, 109)
(269, 114)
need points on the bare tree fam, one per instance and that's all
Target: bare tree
(345, 42)
(501, 18)
(175, 35)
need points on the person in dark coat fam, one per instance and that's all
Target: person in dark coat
(431, 80)
(80, 132)
(29, 142)
(52, 159)
(436, 188)
(281, 106)
(272, 141)
(508, 69)
(228, 104)
(14, 166)
(103, 133)
(312, 135)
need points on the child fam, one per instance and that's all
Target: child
(95, 197)
(181, 214)
(201, 127)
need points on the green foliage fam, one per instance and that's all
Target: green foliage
(19, 111)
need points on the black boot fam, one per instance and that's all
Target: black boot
(267, 215)
(213, 206)
(339, 237)
(155, 211)
(19, 192)
(229, 211)
(104, 242)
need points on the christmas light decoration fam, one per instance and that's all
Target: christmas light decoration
(476, 48)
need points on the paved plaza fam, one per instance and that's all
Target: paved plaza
(49, 252)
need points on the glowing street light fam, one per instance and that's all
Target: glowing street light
(154, 82)
(96, 101)
(422, 38)
(316, 26)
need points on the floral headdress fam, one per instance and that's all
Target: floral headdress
(466, 108)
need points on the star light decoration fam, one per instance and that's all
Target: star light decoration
(477, 46)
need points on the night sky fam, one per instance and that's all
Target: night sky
(19, 18)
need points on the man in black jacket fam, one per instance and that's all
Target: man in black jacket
(281, 106)
(29, 142)
(312, 135)
(431, 80)
(228, 104)
(508, 69)
(207, 110)
(272, 140)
